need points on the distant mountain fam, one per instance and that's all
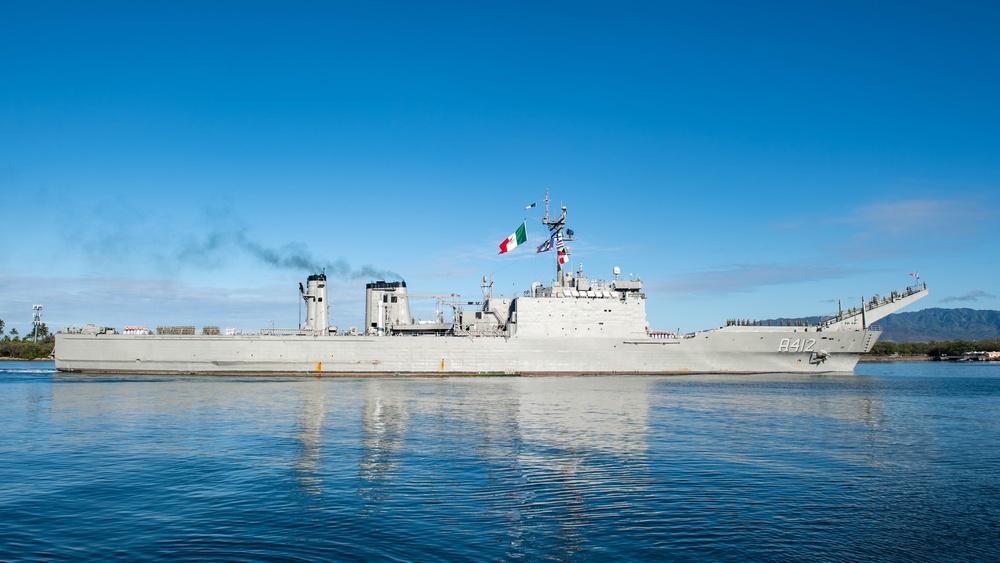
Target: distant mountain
(941, 324)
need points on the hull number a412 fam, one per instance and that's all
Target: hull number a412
(797, 345)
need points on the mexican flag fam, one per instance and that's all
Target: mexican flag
(520, 236)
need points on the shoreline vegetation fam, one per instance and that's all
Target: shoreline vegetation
(869, 358)
(919, 351)
(11, 349)
(16, 349)
(36, 346)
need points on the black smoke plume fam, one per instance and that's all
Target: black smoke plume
(209, 251)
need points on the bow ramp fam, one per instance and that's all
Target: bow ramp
(875, 309)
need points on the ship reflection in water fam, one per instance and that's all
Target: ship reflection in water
(769, 466)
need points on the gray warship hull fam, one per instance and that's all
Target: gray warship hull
(719, 351)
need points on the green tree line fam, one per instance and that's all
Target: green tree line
(935, 349)
(12, 345)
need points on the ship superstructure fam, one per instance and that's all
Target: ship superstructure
(575, 325)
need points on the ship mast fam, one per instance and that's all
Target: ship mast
(556, 232)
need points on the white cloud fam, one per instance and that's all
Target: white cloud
(924, 218)
(974, 295)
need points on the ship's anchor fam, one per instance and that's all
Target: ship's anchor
(818, 358)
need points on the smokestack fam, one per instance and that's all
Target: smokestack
(317, 314)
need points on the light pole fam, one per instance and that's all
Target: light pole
(37, 321)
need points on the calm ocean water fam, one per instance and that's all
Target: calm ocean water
(898, 463)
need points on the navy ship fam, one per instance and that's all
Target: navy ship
(573, 325)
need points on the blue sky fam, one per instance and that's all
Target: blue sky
(189, 162)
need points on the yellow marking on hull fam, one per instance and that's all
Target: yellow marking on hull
(319, 367)
(442, 364)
